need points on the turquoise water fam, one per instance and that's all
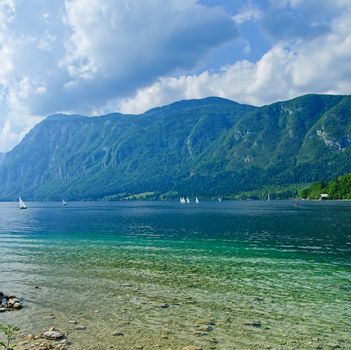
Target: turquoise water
(234, 275)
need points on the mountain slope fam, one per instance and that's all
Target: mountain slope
(207, 147)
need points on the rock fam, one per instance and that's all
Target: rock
(192, 347)
(139, 347)
(164, 306)
(256, 324)
(205, 328)
(199, 333)
(3, 309)
(80, 328)
(117, 334)
(53, 334)
(17, 306)
(72, 322)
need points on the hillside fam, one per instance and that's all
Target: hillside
(205, 147)
(338, 188)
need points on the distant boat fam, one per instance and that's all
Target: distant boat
(187, 200)
(269, 197)
(182, 200)
(219, 199)
(196, 200)
(22, 205)
(64, 202)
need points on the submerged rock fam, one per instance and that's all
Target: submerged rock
(9, 302)
(256, 324)
(53, 334)
(117, 334)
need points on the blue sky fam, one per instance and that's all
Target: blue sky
(98, 56)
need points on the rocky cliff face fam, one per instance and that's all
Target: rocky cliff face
(210, 146)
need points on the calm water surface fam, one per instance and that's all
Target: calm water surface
(221, 268)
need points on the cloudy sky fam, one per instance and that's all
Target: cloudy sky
(99, 56)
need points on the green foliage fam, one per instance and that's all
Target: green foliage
(338, 188)
(10, 333)
(210, 147)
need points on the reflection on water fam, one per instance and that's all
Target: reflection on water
(221, 268)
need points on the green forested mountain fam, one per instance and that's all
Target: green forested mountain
(338, 188)
(205, 147)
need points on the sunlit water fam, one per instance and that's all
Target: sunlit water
(235, 275)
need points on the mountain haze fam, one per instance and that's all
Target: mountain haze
(206, 147)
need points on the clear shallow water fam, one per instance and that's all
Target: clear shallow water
(218, 266)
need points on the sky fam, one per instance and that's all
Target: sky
(94, 57)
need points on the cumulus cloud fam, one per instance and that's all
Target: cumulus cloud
(93, 56)
(78, 54)
(287, 70)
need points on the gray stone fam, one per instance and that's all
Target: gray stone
(17, 306)
(53, 335)
(117, 334)
(80, 328)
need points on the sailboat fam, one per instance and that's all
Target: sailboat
(22, 205)
(64, 202)
(182, 200)
(219, 199)
(196, 200)
(269, 197)
(187, 200)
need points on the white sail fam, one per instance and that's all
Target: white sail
(269, 197)
(197, 200)
(22, 205)
(187, 200)
(64, 202)
(182, 200)
(219, 199)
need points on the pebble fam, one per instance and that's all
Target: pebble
(164, 306)
(80, 328)
(53, 334)
(9, 302)
(192, 347)
(256, 324)
(117, 334)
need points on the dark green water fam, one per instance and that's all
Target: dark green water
(218, 266)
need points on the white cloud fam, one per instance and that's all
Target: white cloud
(78, 54)
(249, 13)
(88, 56)
(321, 65)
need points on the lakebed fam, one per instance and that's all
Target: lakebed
(149, 275)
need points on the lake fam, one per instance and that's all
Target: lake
(230, 275)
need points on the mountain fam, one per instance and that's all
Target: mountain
(207, 147)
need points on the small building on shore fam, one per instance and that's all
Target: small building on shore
(323, 196)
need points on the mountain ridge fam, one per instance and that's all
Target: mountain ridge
(208, 147)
